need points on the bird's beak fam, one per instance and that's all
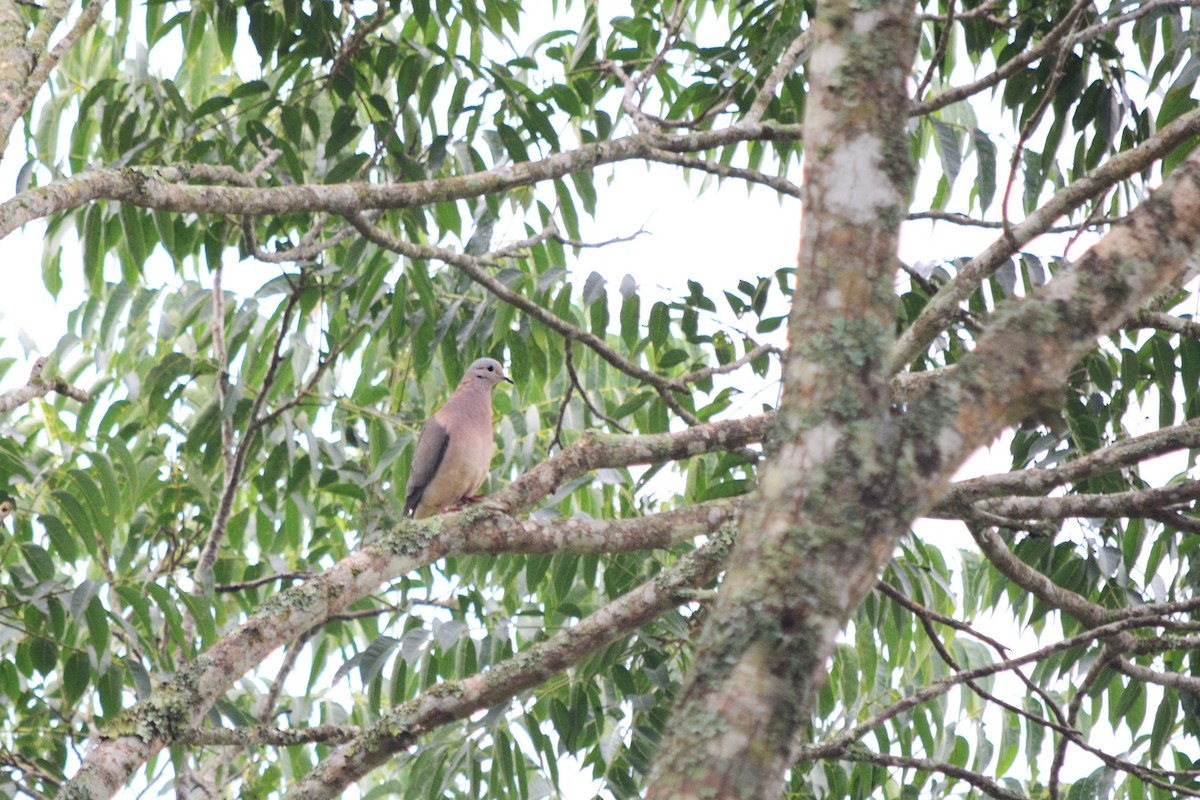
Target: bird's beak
(510, 380)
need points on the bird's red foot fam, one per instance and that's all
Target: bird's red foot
(465, 500)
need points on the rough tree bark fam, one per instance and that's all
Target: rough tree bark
(848, 472)
(809, 549)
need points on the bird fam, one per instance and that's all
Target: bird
(455, 447)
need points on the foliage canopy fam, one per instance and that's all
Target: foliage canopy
(422, 178)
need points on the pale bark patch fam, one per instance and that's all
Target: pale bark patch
(744, 704)
(819, 445)
(861, 193)
(949, 442)
(865, 22)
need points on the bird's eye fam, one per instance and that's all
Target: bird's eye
(491, 369)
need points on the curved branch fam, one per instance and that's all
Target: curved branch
(399, 727)
(179, 704)
(474, 268)
(732, 366)
(1173, 680)
(1034, 481)
(980, 781)
(40, 387)
(172, 189)
(779, 184)
(1053, 41)
(835, 745)
(1034, 582)
(1121, 504)
(943, 306)
(45, 64)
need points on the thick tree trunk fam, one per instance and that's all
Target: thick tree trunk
(850, 473)
(829, 509)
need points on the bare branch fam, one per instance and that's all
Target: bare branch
(233, 476)
(474, 268)
(242, 586)
(1174, 680)
(751, 354)
(171, 189)
(1047, 45)
(40, 387)
(796, 54)
(222, 358)
(980, 781)
(1157, 320)
(1124, 453)
(575, 382)
(1133, 503)
(1034, 582)
(970, 222)
(274, 737)
(781, 185)
(45, 64)
(835, 745)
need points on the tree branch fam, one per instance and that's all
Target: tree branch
(274, 737)
(1045, 47)
(180, 703)
(1135, 503)
(399, 727)
(171, 188)
(475, 269)
(236, 462)
(40, 387)
(835, 745)
(943, 306)
(45, 64)
(980, 781)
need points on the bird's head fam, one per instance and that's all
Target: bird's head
(488, 370)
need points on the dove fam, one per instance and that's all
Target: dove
(455, 448)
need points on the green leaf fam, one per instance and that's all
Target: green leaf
(201, 612)
(949, 149)
(39, 561)
(375, 657)
(97, 625)
(61, 540)
(77, 676)
(211, 106)
(630, 313)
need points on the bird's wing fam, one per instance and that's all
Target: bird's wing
(431, 449)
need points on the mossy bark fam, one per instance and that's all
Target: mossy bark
(830, 502)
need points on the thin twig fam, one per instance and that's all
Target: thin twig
(242, 586)
(582, 393)
(956, 218)
(208, 555)
(219, 352)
